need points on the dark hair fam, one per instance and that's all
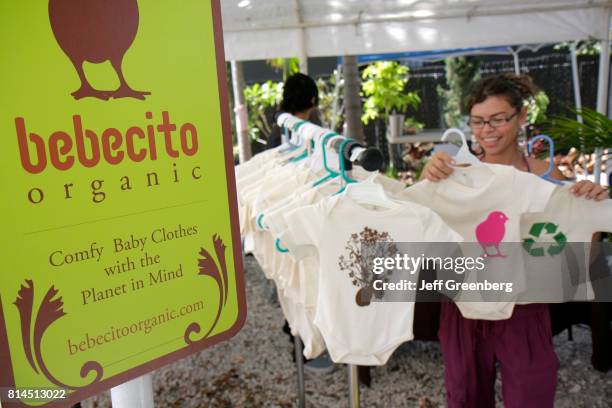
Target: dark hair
(300, 93)
(514, 88)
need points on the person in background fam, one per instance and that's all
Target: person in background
(300, 98)
(529, 370)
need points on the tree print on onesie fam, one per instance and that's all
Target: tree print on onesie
(358, 260)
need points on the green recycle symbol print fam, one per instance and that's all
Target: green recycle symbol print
(544, 228)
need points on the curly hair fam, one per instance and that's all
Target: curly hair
(514, 88)
(300, 93)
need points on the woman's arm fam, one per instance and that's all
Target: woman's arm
(584, 188)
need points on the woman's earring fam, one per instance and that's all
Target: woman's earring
(522, 135)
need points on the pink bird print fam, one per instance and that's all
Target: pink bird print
(491, 232)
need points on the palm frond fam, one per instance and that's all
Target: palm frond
(594, 132)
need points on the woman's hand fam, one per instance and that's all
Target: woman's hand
(590, 190)
(438, 167)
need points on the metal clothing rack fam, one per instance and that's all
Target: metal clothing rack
(350, 153)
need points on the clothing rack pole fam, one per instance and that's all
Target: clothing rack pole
(369, 158)
(299, 365)
(353, 377)
(353, 386)
(242, 248)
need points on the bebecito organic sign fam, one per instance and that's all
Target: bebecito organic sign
(119, 236)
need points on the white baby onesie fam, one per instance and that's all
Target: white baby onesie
(557, 273)
(267, 195)
(338, 228)
(296, 279)
(484, 203)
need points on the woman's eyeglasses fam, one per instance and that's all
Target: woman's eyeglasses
(494, 122)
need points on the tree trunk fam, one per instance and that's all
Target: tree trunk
(380, 127)
(352, 101)
(240, 110)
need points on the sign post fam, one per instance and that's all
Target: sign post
(121, 250)
(136, 393)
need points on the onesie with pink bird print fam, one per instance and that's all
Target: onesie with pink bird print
(484, 204)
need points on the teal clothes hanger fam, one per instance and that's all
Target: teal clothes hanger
(299, 125)
(278, 246)
(259, 222)
(551, 157)
(290, 145)
(330, 173)
(303, 155)
(341, 159)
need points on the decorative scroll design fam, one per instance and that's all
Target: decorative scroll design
(218, 272)
(49, 311)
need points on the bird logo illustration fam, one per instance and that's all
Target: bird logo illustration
(96, 31)
(490, 233)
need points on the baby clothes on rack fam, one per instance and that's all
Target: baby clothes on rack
(557, 243)
(484, 204)
(356, 328)
(296, 273)
(274, 183)
(271, 188)
(248, 175)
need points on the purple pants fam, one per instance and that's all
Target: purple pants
(521, 344)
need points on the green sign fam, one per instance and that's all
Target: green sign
(119, 227)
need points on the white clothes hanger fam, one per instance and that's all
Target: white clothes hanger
(332, 157)
(369, 192)
(464, 157)
(304, 136)
(316, 159)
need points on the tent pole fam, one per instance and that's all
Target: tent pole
(336, 97)
(576, 80)
(299, 365)
(517, 65)
(602, 84)
(352, 101)
(240, 112)
(577, 94)
(303, 55)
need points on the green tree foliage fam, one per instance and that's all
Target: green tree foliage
(586, 47)
(328, 91)
(383, 87)
(289, 66)
(594, 132)
(264, 99)
(536, 108)
(261, 101)
(461, 74)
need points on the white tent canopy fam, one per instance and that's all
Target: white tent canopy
(263, 29)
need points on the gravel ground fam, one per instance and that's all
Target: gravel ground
(255, 369)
